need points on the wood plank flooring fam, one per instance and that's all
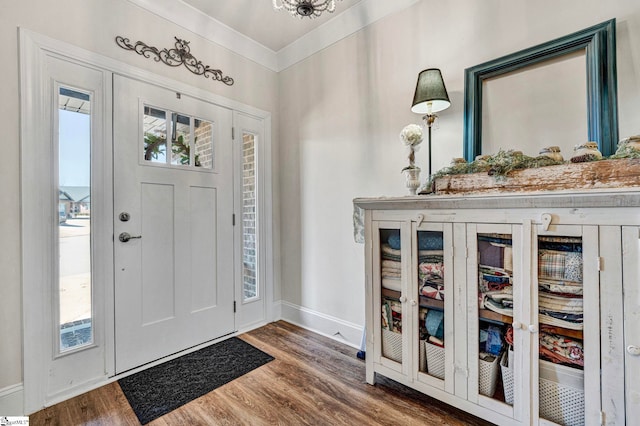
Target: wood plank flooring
(313, 380)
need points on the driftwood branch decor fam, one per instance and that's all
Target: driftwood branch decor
(174, 57)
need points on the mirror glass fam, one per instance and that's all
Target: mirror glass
(538, 106)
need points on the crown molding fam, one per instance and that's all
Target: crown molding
(346, 23)
(343, 25)
(191, 19)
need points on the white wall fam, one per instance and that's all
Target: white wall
(92, 25)
(342, 110)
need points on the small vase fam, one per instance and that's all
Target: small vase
(412, 177)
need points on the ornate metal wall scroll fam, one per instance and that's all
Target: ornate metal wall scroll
(174, 57)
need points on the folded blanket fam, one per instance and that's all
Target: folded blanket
(392, 283)
(561, 348)
(571, 325)
(390, 273)
(427, 240)
(433, 291)
(391, 264)
(560, 265)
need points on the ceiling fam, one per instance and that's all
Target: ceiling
(275, 39)
(258, 20)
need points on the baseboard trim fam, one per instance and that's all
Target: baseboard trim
(326, 325)
(12, 400)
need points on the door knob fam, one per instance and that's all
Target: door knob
(125, 236)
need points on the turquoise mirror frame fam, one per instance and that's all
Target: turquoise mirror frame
(599, 43)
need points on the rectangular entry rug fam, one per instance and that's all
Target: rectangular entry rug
(165, 387)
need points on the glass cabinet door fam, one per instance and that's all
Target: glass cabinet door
(567, 295)
(389, 283)
(495, 272)
(433, 298)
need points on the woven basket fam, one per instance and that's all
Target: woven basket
(506, 367)
(435, 360)
(392, 345)
(561, 394)
(488, 372)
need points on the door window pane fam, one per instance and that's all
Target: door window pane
(249, 246)
(155, 135)
(180, 139)
(74, 218)
(190, 139)
(203, 139)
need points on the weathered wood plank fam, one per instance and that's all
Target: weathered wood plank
(574, 176)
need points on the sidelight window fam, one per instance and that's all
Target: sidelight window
(75, 312)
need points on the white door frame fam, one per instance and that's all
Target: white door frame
(33, 50)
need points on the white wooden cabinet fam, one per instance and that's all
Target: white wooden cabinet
(532, 284)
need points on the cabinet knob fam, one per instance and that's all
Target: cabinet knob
(403, 299)
(633, 350)
(516, 325)
(533, 328)
(413, 302)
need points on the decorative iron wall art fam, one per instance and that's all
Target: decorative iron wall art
(174, 57)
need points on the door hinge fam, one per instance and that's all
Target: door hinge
(233, 219)
(234, 306)
(233, 133)
(602, 418)
(600, 264)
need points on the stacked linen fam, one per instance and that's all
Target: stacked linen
(391, 268)
(391, 315)
(560, 349)
(431, 273)
(431, 264)
(495, 287)
(560, 282)
(495, 281)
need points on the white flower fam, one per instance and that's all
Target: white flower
(411, 135)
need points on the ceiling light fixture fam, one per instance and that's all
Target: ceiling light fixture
(306, 8)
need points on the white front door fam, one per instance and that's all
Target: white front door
(173, 230)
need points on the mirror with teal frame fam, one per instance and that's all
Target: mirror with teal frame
(599, 44)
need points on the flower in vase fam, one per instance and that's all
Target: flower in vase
(411, 135)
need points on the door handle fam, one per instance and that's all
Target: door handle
(125, 236)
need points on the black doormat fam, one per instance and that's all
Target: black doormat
(165, 387)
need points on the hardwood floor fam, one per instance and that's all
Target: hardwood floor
(312, 381)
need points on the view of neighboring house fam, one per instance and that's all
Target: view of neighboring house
(74, 201)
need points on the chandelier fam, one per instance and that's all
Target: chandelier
(306, 8)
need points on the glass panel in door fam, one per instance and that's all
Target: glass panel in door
(155, 135)
(391, 292)
(249, 223)
(75, 309)
(561, 316)
(495, 285)
(431, 295)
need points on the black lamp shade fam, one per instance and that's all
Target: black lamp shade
(430, 89)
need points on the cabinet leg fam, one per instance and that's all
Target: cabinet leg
(371, 377)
